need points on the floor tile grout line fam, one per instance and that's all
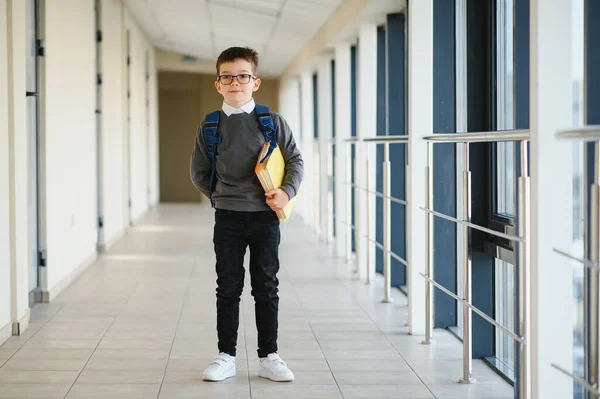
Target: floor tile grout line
(316, 339)
(103, 335)
(185, 298)
(32, 335)
(386, 337)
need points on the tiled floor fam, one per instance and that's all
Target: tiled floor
(140, 323)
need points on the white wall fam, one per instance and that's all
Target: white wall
(4, 176)
(70, 133)
(144, 138)
(154, 140)
(307, 116)
(144, 149)
(420, 123)
(18, 163)
(325, 151)
(70, 137)
(68, 180)
(343, 106)
(551, 292)
(113, 112)
(366, 127)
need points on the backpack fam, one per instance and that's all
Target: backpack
(209, 129)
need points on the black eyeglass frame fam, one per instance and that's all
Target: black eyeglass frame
(237, 77)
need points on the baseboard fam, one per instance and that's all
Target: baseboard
(54, 292)
(112, 241)
(5, 333)
(22, 325)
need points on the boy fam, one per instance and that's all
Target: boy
(245, 214)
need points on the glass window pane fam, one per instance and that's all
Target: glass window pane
(505, 153)
(505, 311)
(505, 175)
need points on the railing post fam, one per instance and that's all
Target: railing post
(524, 276)
(429, 248)
(467, 377)
(349, 202)
(387, 225)
(594, 273)
(369, 221)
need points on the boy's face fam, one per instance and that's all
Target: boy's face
(237, 94)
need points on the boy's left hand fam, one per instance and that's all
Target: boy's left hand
(277, 199)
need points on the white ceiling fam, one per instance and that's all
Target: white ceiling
(277, 29)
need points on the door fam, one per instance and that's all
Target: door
(99, 164)
(147, 117)
(32, 107)
(129, 170)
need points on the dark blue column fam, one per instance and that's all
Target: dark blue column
(521, 122)
(592, 87)
(593, 61)
(381, 131)
(353, 84)
(396, 101)
(315, 106)
(592, 90)
(333, 147)
(444, 158)
(480, 117)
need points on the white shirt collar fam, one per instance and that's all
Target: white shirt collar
(247, 108)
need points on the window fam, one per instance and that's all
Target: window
(505, 117)
(504, 184)
(505, 314)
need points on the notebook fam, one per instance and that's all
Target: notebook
(270, 173)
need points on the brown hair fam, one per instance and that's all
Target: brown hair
(236, 53)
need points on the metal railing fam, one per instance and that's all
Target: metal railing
(354, 183)
(522, 240)
(363, 168)
(592, 280)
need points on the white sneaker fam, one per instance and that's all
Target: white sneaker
(221, 368)
(275, 369)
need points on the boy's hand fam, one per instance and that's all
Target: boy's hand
(277, 199)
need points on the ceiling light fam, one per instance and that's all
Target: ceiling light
(262, 11)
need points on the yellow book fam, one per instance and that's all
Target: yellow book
(271, 173)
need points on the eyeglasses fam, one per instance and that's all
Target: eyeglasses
(243, 78)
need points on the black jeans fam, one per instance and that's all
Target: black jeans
(234, 231)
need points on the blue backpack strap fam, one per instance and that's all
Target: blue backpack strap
(268, 128)
(209, 129)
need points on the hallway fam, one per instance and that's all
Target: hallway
(140, 324)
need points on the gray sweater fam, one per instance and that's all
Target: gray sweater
(237, 187)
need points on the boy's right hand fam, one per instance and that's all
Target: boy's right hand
(277, 199)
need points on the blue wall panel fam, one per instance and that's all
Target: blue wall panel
(592, 48)
(480, 117)
(353, 83)
(396, 97)
(521, 122)
(315, 106)
(381, 131)
(333, 146)
(444, 159)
